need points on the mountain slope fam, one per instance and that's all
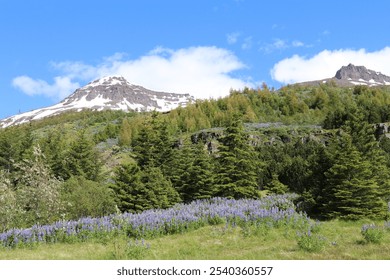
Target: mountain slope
(351, 75)
(108, 93)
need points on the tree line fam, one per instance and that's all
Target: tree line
(57, 169)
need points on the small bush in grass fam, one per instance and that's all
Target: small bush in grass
(132, 250)
(310, 242)
(372, 233)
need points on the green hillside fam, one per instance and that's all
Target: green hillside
(326, 144)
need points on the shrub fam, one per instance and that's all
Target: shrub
(310, 242)
(372, 233)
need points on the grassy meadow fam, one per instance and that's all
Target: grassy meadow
(338, 240)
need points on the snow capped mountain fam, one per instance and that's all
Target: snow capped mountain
(351, 75)
(108, 93)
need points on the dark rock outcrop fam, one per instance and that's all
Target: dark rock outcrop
(351, 75)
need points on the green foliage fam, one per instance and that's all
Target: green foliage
(237, 165)
(372, 233)
(55, 150)
(138, 190)
(199, 183)
(82, 159)
(153, 145)
(275, 186)
(131, 194)
(191, 172)
(124, 249)
(164, 195)
(38, 191)
(86, 198)
(7, 152)
(312, 243)
(351, 192)
(9, 209)
(335, 176)
(125, 134)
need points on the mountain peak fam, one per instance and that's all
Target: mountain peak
(108, 81)
(352, 72)
(351, 75)
(107, 93)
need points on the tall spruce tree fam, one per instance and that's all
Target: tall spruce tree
(164, 193)
(197, 178)
(131, 193)
(153, 146)
(351, 191)
(237, 164)
(54, 148)
(82, 159)
(138, 190)
(363, 137)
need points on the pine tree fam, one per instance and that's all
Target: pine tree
(237, 164)
(131, 193)
(351, 192)
(153, 145)
(125, 133)
(55, 150)
(363, 138)
(198, 178)
(178, 168)
(164, 193)
(82, 159)
(275, 186)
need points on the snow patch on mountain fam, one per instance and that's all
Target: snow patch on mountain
(352, 75)
(108, 93)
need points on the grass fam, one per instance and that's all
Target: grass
(343, 240)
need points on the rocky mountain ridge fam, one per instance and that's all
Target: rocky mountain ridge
(351, 75)
(108, 93)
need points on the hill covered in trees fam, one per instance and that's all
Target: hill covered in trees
(327, 144)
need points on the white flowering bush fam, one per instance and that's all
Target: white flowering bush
(38, 192)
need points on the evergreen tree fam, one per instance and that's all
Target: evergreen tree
(351, 192)
(125, 133)
(237, 167)
(177, 168)
(55, 150)
(130, 192)
(153, 145)
(198, 178)
(275, 186)
(165, 195)
(363, 138)
(82, 159)
(138, 190)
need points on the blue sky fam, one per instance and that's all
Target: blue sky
(202, 47)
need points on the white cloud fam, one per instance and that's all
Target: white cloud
(204, 72)
(61, 87)
(326, 63)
